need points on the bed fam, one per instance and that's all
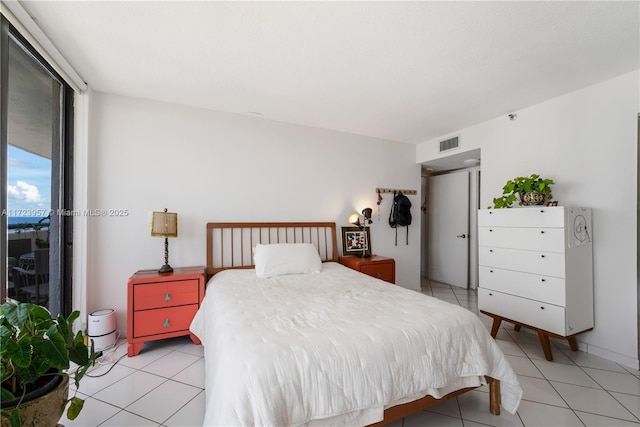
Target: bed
(288, 341)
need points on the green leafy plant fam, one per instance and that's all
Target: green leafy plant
(516, 188)
(33, 346)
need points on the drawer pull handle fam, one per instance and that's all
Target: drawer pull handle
(166, 323)
(490, 250)
(167, 297)
(490, 230)
(541, 210)
(378, 274)
(543, 280)
(542, 232)
(541, 308)
(541, 256)
(490, 271)
(490, 294)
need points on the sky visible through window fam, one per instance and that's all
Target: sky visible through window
(28, 184)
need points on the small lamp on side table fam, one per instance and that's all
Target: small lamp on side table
(355, 220)
(165, 224)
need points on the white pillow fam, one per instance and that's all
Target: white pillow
(286, 258)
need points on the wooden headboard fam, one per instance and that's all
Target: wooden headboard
(230, 244)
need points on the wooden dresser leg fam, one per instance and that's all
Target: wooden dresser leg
(573, 344)
(496, 326)
(134, 348)
(494, 397)
(546, 345)
(194, 339)
(516, 328)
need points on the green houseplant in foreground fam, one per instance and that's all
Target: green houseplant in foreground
(36, 348)
(531, 190)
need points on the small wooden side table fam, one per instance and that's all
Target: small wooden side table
(380, 267)
(162, 305)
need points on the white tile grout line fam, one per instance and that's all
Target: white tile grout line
(429, 290)
(573, 363)
(179, 409)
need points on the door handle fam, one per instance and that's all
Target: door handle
(463, 236)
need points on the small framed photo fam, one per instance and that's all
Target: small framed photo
(356, 241)
(552, 204)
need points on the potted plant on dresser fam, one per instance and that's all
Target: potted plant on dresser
(528, 190)
(36, 350)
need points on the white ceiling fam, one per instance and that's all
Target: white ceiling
(403, 71)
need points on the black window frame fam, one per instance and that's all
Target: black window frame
(62, 167)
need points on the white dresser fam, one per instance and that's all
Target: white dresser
(536, 270)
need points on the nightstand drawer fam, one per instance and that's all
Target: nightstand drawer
(380, 267)
(382, 271)
(169, 294)
(154, 322)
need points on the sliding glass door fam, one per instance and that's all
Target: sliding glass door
(36, 179)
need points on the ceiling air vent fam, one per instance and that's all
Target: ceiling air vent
(449, 144)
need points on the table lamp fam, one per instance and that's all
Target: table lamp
(165, 224)
(355, 220)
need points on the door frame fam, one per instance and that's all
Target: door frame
(474, 205)
(4, 102)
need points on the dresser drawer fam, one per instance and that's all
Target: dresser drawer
(541, 315)
(534, 286)
(164, 320)
(165, 294)
(382, 271)
(534, 238)
(539, 216)
(547, 263)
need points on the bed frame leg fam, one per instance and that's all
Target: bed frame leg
(494, 396)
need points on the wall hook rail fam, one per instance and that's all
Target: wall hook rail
(396, 190)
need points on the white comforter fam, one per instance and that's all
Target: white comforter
(335, 348)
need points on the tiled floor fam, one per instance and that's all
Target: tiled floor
(164, 386)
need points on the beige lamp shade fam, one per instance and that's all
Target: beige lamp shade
(164, 224)
(354, 219)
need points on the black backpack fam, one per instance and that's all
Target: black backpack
(400, 214)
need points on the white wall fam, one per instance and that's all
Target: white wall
(587, 142)
(210, 166)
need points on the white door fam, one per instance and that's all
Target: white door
(448, 233)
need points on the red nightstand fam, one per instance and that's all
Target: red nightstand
(377, 266)
(162, 305)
